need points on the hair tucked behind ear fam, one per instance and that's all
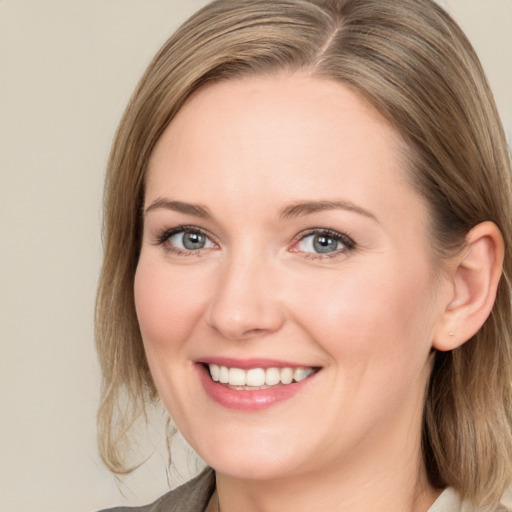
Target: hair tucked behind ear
(411, 61)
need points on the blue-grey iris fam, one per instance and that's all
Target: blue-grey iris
(324, 243)
(194, 241)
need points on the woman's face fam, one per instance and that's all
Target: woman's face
(285, 253)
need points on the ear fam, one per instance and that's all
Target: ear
(474, 275)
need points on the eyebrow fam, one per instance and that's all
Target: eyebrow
(296, 209)
(180, 207)
(299, 209)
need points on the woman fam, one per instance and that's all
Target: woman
(307, 260)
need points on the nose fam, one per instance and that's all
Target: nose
(245, 302)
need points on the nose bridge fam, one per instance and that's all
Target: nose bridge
(244, 302)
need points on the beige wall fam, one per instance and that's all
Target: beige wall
(67, 68)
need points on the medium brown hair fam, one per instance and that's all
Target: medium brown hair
(412, 62)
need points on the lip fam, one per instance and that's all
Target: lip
(249, 400)
(247, 364)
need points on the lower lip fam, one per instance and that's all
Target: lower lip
(249, 400)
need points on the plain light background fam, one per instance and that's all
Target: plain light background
(67, 69)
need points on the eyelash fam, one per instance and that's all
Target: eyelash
(342, 238)
(349, 245)
(163, 239)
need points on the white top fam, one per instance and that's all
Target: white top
(449, 501)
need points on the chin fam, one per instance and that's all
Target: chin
(263, 458)
(256, 470)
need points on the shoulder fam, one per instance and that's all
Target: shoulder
(192, 496)
(449, 501)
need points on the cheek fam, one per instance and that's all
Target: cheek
(168, 309)
(168, 306)
(382, 312)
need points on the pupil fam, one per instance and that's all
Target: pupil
(193, 241)
(324, 244)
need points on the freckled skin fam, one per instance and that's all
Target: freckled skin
(245, 150)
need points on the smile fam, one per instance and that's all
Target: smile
(258, 385)
(257, 378)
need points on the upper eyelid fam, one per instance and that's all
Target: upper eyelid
(187, 229)
(327, 231)
(163, 235)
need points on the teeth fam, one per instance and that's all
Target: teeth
(258, 377)
(255, 377)
(236, 377)
(286, 375)
(272, 376)
(300, 374)
(223, 375)
(214, 372)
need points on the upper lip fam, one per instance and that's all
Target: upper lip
(247, 364)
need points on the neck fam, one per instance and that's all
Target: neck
(327, 494)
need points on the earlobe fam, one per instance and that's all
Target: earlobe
(475, 275)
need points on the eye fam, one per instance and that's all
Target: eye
(184, 239)
(190, 240)
(324, 242)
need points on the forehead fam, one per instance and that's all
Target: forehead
(259, 108)
(280, 138)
